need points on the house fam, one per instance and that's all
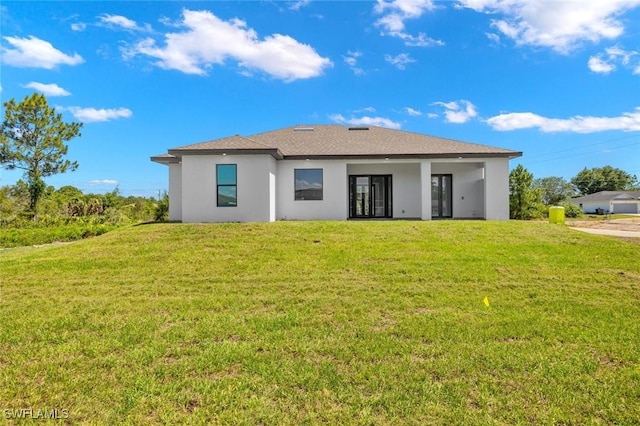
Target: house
(605, 202)
(334, 172)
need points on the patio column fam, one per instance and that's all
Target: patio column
(425, 186)
(496, 189)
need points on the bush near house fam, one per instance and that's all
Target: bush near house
(67, 214)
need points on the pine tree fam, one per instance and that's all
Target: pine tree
(32, 139)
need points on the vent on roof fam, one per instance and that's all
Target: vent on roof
(358, 128)
(303, 129)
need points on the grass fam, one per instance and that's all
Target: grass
(325, 322)
(28, 236)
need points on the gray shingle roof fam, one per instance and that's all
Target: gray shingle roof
(608, 196)
(331, 141)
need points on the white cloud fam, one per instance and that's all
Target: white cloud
(559, 25)
(33, 52)
(206, 40)
(604, 63)
(399, 61)
(366, 121)
(351, 59)
(396, 12)
(48, 89)
(297, 5)
(78, 26)
(119, 21)
(495, 38)
(628, 121)
(412, 112)
(600, 66)
(624, 56)
(89, 115)
(106, 182)
(365, 109)
(458, 112)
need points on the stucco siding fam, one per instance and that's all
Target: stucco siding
(254, 191)
(333, 205)
(405, 184)
(496, 189)
(468, 187)
(630, 206)
(175, 192)
(425, 190)
(266, 188)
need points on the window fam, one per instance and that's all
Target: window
(308, 184)
(226, 179)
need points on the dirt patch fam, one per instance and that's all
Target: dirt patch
(630, 224)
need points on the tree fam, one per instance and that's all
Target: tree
(554, 190)
(524, 199)
(32, 138)
(606, 178)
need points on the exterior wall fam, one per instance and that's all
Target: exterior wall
(265, 188)
(425, 182)
(468, 188)
(405, 184)
(254, 189)
(630, 206)
(591, 207)
(272, 191)
(175, 192)
(496, 189)
(335, 195)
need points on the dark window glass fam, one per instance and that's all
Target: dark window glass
(308, 185)
(226, 180)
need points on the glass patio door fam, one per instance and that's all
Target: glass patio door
(370, 196)
(441, 196)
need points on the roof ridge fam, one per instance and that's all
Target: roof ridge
(259, 143)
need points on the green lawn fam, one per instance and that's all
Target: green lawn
(325, 322)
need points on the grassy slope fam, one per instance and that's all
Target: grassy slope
(340, 322)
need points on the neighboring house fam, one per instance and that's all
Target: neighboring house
(332, 172)
(605, 202)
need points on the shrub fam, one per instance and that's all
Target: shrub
(572, 210)
(161, 211)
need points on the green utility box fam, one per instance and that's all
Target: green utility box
(556, 215)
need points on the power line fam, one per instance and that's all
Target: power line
(589, 145)
(574, 155)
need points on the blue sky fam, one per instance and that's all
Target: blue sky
(558, 80)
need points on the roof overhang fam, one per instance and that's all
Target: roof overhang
(451, 156)
(274, 152)
(165, 159)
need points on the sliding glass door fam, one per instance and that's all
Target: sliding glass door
(370, 196)
(441, 196)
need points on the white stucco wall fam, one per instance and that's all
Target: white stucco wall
(468, 187)
(335, 197)
(590, 207)
(175, 191)
(620, 206)
(405, 183)
(425, 178)
(254, 188)
(266, 188)
(496, 189)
